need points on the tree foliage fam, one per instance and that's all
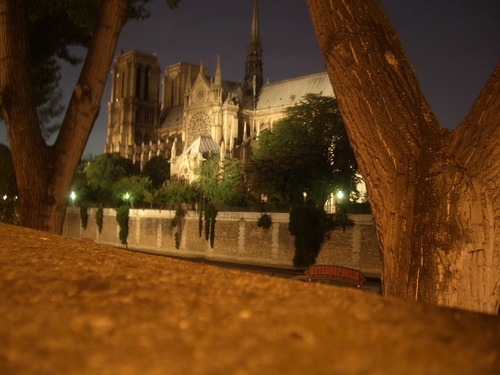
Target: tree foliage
(104, 173)
(158, 171)
(131, 189)
(175, 193)
(309, 225)
(306, 152)
(220, 180)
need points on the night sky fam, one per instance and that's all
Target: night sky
(454, 45)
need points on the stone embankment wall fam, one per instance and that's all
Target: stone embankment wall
(237, 238)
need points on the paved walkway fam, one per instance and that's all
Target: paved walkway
(73, 307)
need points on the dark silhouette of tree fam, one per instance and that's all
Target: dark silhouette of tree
(306, 152)
(158, 171)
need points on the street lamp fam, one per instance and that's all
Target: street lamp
(340, 195)
(73, 197)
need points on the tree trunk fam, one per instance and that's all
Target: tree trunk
(433, 192)
(44, 173)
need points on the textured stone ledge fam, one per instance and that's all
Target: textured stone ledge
(74, 307)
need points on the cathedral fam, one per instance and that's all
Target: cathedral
(199, 115)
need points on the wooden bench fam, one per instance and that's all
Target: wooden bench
(338, 273)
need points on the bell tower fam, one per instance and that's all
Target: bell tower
(133, 112)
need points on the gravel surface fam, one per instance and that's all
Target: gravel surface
(74, 307)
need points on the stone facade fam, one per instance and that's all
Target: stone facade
(237, 238)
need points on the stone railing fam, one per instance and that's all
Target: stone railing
(237, 238)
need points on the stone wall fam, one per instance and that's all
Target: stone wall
(237, 238)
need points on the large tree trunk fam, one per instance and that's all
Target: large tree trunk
(44, 173)
(433, 192)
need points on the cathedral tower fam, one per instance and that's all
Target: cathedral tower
(133, 112)
(253, 72)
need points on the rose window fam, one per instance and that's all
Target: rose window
(198, 125)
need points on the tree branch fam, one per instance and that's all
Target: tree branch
(378, 91)
(85, 102)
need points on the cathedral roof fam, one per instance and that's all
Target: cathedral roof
(291, 91)
(172, 117)
(202, 145)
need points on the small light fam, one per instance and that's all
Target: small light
(340, 195)
(73, 196)
(5, 197)
(127, 196)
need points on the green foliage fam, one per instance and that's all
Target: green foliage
(265, 221)
(84, 193)
(122, 216)
(310, 226)
(221, 181)
(307, 151)
(135, 186)
(175, 193)
(107, 169)
(103, 174)
(99, 218)
(158, 171)
(84, 216)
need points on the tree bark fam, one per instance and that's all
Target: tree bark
(44, 173)
(433, 192)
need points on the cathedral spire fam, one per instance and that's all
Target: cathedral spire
(188, 82)
(218, 77)
(253, 71)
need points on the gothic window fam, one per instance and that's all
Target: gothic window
(172, 89)
(122, 84)
(146, 84)
(138, 82)
(138, 139)
(198, 125)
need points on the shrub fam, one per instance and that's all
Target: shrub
(210, 215)
(265, 221)
(84, 216)
(122, 219)
(99, 217)
(310, 226)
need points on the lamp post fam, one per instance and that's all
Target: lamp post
(73, 197)
(340, 195)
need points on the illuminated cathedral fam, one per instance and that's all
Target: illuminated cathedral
(198, 115)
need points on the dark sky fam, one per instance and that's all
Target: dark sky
(453, 45)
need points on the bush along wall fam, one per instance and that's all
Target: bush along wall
(177, 223)
(265, 221)
(84, 216)
(122, 220)
(210, 215)
(310, 226)
(99, 217)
